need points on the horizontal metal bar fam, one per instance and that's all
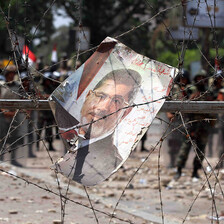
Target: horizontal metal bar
(211, 107)
(169, 106)
(24, 104)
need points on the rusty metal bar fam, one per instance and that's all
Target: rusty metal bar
(24, 104)
(169, 106)
(211, 107)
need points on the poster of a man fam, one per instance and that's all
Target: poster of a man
(106, 103)
(96, 111)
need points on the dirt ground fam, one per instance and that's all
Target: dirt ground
(148, 198)
(23, 203)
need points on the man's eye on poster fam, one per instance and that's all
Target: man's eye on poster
(105, 107)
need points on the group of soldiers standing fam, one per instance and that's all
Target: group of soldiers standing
(194, 129)
(18, 82)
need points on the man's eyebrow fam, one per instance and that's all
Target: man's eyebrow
(99, 92)
(119, 96)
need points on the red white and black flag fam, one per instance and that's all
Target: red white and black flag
(28, 55)
(54, 55)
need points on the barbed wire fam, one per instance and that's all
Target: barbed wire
(158, 146)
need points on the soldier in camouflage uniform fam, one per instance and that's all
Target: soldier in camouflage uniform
(180, 91)
(215, 86)
(14, 138)
(27, 90)
(198, 130)
(220, 97)
(46, 118)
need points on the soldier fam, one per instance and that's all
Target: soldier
(46, 118)
(27, 90)
(63, 68)
(220, 97)
(198, 131)
(2, 82)
(215, 86)
(180, 91)
(10, 92)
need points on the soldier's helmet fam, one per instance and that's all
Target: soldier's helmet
(221, 90)
(201, 73)
(55, 75)
(24, 75)
(10, 68)
(186, 75)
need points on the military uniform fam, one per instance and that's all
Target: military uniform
(215, 86)
(175, 138)
(198, 132)
(220, 97)
(27, 90)
(46, 118)
(6, 119)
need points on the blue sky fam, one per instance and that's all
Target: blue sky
(62, 20)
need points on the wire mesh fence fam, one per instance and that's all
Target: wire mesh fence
(157, 184)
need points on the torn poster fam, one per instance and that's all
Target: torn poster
(105, 107)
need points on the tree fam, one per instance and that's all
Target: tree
(112, 18)
(27, 19)
(103, 17)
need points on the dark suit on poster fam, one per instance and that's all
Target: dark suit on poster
(63, 117)
(95, 162)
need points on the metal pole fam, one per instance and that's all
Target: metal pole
(24, 104)
(213, 107)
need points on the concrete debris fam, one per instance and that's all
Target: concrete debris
(46, 197)
(13, 212)
(4, 219)
(57, 222)
(51, 210)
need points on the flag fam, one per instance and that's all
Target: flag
(54, 56)
(28, 55)
(217, 67)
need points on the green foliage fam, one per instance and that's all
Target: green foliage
(24, 16)
(103, 17)
(191, 55)
(171, 58)
(112, 18)
(213, 52)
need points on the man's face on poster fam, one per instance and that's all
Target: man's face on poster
(105, 102)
